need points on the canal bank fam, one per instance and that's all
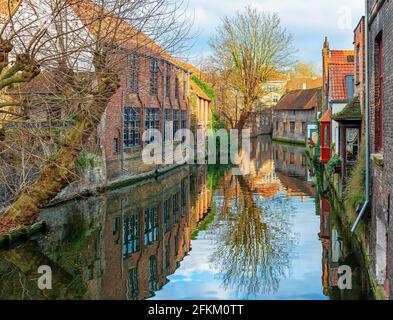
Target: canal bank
(345, 205)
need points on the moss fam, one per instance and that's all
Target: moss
(216, 121)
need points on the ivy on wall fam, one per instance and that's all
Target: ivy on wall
(209, 91)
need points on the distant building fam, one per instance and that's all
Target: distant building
(294, 113)
(338, 85)
(303, 83)
(261, 120)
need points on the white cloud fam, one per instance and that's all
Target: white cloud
(308, 20)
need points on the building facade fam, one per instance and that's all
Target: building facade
(380, 57)
(294, 113)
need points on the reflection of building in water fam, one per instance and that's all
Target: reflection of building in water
(147, 234)
(122, 245)
(291, 168)
(264, 180)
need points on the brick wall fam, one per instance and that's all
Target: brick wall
(112, 120)
(382, 175)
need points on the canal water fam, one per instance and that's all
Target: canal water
(199, 232)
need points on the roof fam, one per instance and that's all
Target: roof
(326, 117)
(200, 93)
(8, 7)
(341, 56)
(351, 111)
(300, 100)
(298, 83)
(102, 23)
(337, 83)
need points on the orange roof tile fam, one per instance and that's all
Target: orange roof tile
(8, 7)
(326, 117)
(337, 84)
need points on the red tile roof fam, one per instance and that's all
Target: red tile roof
(326, 117)
(300, 100)
(337, 82)
(341, 56)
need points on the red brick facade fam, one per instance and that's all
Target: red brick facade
(129, 158)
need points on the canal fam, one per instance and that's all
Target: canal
(199, 232)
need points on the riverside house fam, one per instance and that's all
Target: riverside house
(154, 90)
(338, 90)
(294, 113)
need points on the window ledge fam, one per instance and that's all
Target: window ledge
(377, 159)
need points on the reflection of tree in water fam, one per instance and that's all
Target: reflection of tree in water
(254, 239)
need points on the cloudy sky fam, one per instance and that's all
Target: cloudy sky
(309, 21)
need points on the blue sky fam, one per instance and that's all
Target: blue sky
(309, 21)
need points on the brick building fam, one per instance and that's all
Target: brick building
(295, 111)
(380, 57)
(147, 237)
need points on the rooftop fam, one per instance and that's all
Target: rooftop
(300, 100)
(337, 83)
(350, 112)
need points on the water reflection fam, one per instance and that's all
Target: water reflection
(196, 233)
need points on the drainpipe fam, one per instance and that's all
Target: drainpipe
(367, 112)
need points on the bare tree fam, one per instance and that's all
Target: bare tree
(249, 49)
(79, 48)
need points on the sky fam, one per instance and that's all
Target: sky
(309, 21)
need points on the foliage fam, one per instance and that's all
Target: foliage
(354, 192)
(209, 91)
(249, 49)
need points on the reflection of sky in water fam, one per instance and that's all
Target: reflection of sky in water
(197, 279)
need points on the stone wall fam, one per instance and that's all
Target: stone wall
(300, 118)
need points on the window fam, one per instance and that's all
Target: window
(167, 222)
(183, 124)
(133, 278)
(379, 94)
(352, 144)
(358, 63)
(292, 158)
(277, 125)
(183, 197)
(153, 279)
(115, 225)
(274, 98)
(168, 81)
(184, 85)
(132, 123)
(175, 206)
(304, 160)
(151, 225)
(177, 84)
(168, 126)
(176, 244)
(304, 128)
(152, 121)
(115, 146)
(133, 63)
(167, 259)
(175, 122)
(326, 137)
(292, 127)
(131, 235)
(154, 77)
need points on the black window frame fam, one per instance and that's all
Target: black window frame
(131, 127)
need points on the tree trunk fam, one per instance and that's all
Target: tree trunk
(59, 171)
